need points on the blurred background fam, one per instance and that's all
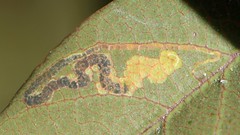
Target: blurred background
(29, 29)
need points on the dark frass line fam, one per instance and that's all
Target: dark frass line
(87, 59)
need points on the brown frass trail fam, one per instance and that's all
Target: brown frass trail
(32, 99)
(88, 59)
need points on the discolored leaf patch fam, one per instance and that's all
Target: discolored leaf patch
(135, 67)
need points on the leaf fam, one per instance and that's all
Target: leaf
(134, 67)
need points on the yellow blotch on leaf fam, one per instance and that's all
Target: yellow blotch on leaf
(170, 61)
(156, 70)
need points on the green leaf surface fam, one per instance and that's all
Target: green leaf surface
(176, 75)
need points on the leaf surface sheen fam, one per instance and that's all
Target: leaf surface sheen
(176, 75)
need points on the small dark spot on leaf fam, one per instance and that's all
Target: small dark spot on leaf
(117, 88)
(62, 82)
(73, 85)
(83, 80)
(82, 64)
(105, 71)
